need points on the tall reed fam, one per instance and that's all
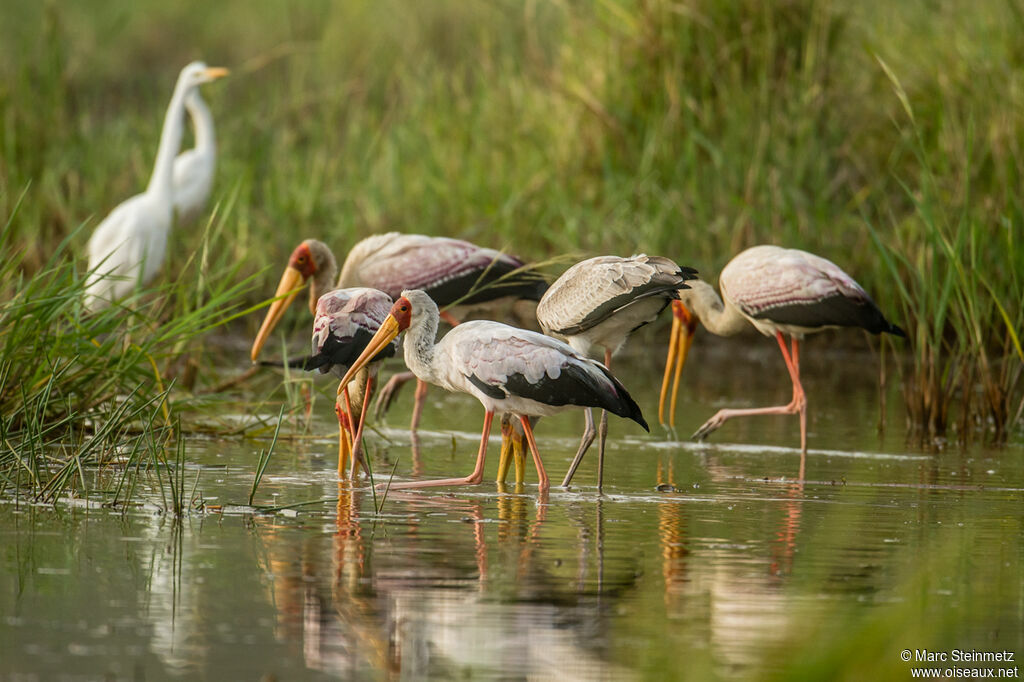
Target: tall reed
(77, 387)
(961, 293)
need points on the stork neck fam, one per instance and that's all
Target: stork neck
(202, 122)
(420, 345)
(322, 282)
(170, 141)
(716, 316)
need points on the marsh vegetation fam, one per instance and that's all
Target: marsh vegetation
(888, 137)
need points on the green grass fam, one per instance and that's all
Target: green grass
(83, 391)
(887, 137)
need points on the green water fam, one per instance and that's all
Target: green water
(698, 561)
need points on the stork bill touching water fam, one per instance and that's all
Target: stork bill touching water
(780, 292)
(451, 271)
(509, 370)
(345, 320)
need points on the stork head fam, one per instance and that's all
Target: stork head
(411, 303)
(310, 260)
(401, 311)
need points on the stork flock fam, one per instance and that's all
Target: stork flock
(395, 282)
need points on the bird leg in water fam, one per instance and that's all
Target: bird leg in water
(505, 458)
(588, 438)
(543, 483)
(589, 432)
(519, 455)
(389, 391)
(417, 406)
(511, 449)
(473, 479)
(798, 405)
(602, 431)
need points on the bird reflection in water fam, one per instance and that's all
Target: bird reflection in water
(413, 617)
(675, 550)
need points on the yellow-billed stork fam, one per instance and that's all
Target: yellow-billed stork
(345, 321)
(452, 271)
(778, 291)
(598, 303)
(509, 370)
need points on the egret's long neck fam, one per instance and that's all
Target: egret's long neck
(202, 122)
(717, 317)
(419, 345)
(170, 141)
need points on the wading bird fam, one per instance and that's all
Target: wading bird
(194, 168)
(345, 321)
(129, 245)
(509, 370)
(598, 303)
(451, 271)
(779, 291)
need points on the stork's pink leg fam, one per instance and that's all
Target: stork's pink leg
(388, 392)
(799, 398)
(473, 479)
(796, 406)
(602, 431)
(542, 475)
(417, 406)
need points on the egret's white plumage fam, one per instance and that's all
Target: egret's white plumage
(194, 168)
(129, 245)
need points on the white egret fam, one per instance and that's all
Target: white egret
(194, 168)
(129, 245)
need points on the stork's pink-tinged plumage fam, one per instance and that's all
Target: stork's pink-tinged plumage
(779, 291)
(598, 303)
(507, 369)
(345, 321)
(448, 269)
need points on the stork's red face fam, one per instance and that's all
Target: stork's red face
(301, 267)
(302, 261)
(402, 312)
